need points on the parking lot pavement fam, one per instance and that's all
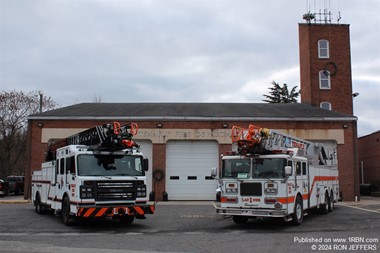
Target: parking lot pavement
(367, 203)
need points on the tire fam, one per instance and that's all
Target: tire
(298, 212)
(331, 202)
(66, 217)
(127, 219)
(325, 207)
(39, 208)
(218, 196)
(240, 219)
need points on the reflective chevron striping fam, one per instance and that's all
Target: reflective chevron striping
(87, 212)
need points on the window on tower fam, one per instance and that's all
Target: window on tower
(324, 80)
(323, 49)
(326, 105)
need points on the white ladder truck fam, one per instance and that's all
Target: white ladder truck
(97, 173)
(273, 174)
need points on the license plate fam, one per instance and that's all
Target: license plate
(120, 210)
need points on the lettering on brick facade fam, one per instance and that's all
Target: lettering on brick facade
(163, 135)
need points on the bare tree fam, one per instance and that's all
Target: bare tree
(280, 94)
(15, 107)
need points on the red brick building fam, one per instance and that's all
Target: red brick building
(184, 140)
(369, 157)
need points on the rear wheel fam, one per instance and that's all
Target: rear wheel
(331, 202)
(298, 212)
(38, 205)
(240, 219)
(325, 206)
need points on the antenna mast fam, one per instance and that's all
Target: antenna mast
(321, 14)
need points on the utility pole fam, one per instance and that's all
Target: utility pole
(41, 96)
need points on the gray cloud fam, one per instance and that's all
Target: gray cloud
(170, 51)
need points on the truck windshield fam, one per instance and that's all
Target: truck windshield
(268, 168)
(236, 168)
(261, 168)
(110, 165)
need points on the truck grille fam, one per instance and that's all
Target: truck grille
(250, 189)
(115, 190)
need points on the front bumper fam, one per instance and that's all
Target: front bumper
(252, 212)
(110, 211)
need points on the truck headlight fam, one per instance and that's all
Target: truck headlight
(86, 192)
(231, 188)
(141, 191)
(270, 188)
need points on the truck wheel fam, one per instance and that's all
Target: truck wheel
(331, 202)
(38, 205)
(325, 207)
(66, 217)
(298, 212)
(127, 219)
(240, 219)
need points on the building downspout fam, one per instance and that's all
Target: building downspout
(356, 161)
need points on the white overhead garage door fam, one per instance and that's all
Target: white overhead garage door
(188, 169)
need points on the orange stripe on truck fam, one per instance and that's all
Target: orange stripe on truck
(89, 212)
(101, 212)
(286, 200)
(139, 210)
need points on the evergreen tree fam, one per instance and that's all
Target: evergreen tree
(280, 94)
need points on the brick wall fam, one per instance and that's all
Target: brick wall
(340, 94)
(369, 156)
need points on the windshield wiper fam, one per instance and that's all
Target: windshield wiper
(267, 178)
(108, 177)
(126, 175)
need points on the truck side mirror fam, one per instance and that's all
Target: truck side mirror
(288, 171)
(214, 172)
(145, 164)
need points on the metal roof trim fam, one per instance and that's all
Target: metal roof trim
(195, 118)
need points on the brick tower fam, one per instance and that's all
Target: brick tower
(325, 66)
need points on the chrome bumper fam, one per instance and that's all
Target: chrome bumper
(254, 212)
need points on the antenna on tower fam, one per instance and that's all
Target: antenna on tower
(339, 17)
(321, 13)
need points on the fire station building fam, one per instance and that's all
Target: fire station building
(183, 141)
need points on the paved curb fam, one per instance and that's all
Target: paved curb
(14, 201)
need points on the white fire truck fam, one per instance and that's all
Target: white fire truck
(97, 173)
(273, 174)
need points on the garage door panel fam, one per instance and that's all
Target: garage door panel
(188, 169)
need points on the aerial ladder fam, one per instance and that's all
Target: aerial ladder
(259, 140)
(107, 137)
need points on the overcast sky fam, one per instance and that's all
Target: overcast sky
(176, 50)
